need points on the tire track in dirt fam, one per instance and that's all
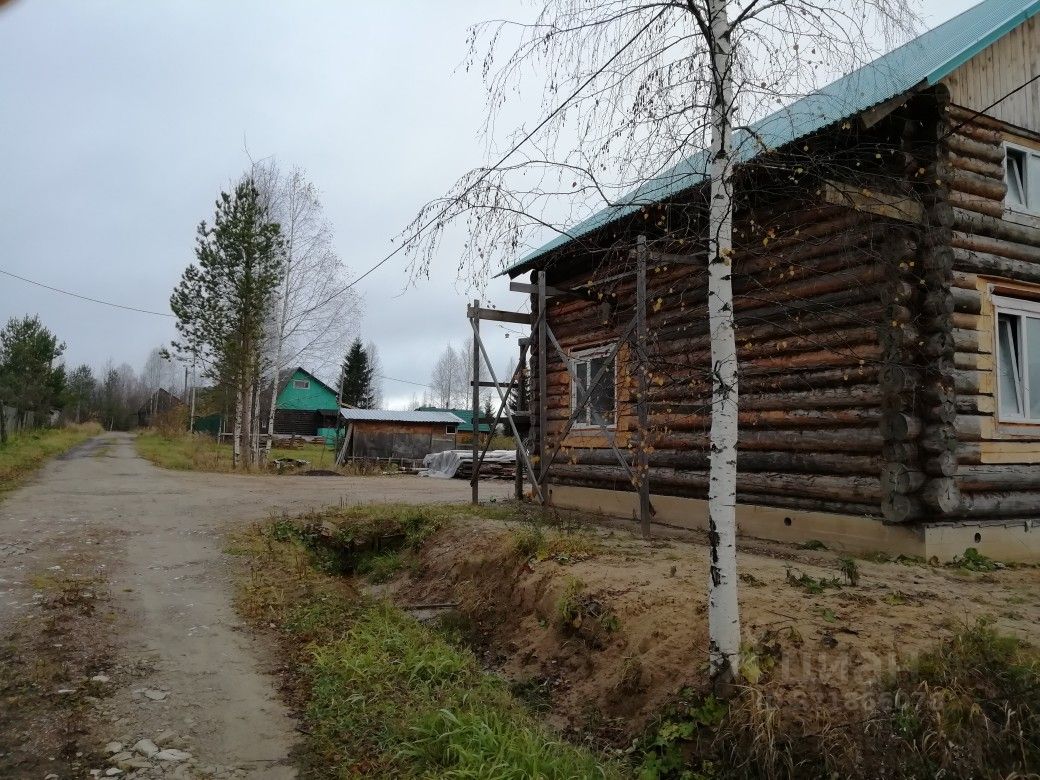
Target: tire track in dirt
(177, 669)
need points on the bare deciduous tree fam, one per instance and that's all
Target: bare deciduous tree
(632, 89)
(314, 312)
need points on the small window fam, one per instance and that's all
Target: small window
(1022, 174)
(600, 407)
(1018, 359)
(449, 429)
(301, 384)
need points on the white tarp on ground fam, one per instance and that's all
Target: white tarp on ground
(443, 465)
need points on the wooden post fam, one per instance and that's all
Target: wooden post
(642, 462)
(521, 405)
(543, 390)
(475, 322)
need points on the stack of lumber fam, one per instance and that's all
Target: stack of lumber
(498, 464)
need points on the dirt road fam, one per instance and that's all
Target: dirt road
(114, 578)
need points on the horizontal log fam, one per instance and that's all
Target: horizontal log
(978, 125)
(797, 462)
(966, 300)
(787, 418)
(825, 486)
(854, 395)
(973, 203)
(969, 147)
(995, 227)
(855, 440)
(998, 477)
(975, 404)
(994, 246)
(1018, 503)
(972, 382)
(973, 183)
(997, 265)
(992, 170)
(871, 509)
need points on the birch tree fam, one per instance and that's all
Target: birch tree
(631, 90)
(314, 310)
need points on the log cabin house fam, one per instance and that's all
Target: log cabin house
(887, 299)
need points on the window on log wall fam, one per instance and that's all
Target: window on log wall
(600, 408)
(1022, 171)
(1018, 358)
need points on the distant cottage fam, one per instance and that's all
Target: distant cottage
(305, 406)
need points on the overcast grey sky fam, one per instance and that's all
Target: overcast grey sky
(121, 121)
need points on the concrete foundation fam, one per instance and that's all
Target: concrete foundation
(1005, 540)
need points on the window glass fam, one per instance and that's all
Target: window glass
(1031, 362)
(600, 406)
(1015, 165)
(1009, 356)
(602, 401)
(301, 384)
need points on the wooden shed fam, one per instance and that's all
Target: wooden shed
(380, 433)
(887, 299)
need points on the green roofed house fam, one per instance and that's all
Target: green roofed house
(306, 406)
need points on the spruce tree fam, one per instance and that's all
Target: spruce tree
(30, 380)
(222, 301)
(357, 378)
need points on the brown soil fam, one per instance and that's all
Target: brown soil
(823, 653)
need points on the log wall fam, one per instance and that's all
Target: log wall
(998, 463)
(809, 288)
(865, 333)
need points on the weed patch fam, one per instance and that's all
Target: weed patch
(973, 560)
(581, 614)
(561, 545)
(27, 451)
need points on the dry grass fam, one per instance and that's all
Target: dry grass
(27, 451)
(199, 452)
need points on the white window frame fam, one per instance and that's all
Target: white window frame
(301, 384)
(449, 429)
(1030, 183)
(1021, 308)
(584, 356)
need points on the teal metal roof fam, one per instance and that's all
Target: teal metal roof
(922, 62)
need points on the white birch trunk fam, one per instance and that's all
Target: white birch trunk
(254, 432)
(723, 614)
(236, 439)
(246, 425)
(279, 340)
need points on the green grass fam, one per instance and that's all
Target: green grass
(25, 452)
(385, 696)
(200, 452)
(393, 698)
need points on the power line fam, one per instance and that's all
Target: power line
(406, 381)
(1001, 99)
(487, 171)
(85, 297)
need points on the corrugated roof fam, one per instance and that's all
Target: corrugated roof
(924, 61)
(466, 415)
(385, 415)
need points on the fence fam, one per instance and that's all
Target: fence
(14, 421)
